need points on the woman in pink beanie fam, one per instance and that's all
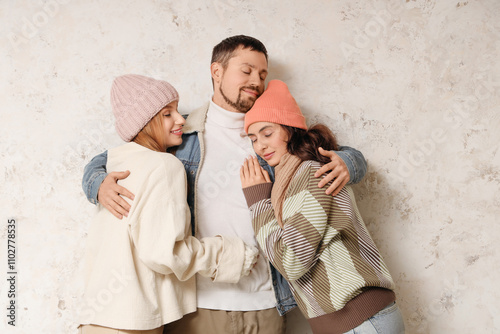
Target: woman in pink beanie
(318, 242)
(139, 271)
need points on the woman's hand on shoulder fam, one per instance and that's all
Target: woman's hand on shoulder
(251, 173)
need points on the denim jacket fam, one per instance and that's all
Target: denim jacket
(191, 154)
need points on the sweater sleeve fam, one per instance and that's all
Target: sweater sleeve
(293, 249)
(160, 230)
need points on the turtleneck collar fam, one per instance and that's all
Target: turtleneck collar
(225, 118)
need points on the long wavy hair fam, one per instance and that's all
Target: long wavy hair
(305, 143)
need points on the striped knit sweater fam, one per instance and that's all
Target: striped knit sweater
(324, 250)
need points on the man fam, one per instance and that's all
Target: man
(212, 152)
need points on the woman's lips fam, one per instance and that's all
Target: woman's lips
(268, 156)
(177, 132)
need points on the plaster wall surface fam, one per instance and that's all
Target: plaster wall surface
(414, 85)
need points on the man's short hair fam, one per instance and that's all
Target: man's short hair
(224, 51)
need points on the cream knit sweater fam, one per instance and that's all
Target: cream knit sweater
(139, 271)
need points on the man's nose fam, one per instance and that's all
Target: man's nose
(257, 82)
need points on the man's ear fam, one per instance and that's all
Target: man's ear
(216, 71)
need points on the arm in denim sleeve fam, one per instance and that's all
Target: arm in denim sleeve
(355, 161)
(93, 175)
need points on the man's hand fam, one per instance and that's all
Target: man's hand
(339, 172)
(109, 194)
(252, 174)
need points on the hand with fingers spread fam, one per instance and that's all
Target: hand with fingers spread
(109, 194)
(339, 173)
(251, 173)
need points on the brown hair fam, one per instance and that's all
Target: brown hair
(152, 135)
(224, 51)
(305, 143)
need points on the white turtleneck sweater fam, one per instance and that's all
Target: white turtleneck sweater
(222, 209)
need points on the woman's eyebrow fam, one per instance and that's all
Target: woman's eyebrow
(263, 128)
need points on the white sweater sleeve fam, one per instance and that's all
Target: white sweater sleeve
(160, 230)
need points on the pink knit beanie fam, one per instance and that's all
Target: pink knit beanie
(276, 105)
(136, 99)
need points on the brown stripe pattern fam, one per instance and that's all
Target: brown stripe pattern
(324, 249)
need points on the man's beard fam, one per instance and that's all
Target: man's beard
(240, 104)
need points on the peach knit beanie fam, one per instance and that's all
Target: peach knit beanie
(136, 99)
(276, 105)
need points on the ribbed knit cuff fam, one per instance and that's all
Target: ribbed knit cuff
(251, 257)
(354, 313)
(257, 192)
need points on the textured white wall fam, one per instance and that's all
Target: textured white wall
(413, 84)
